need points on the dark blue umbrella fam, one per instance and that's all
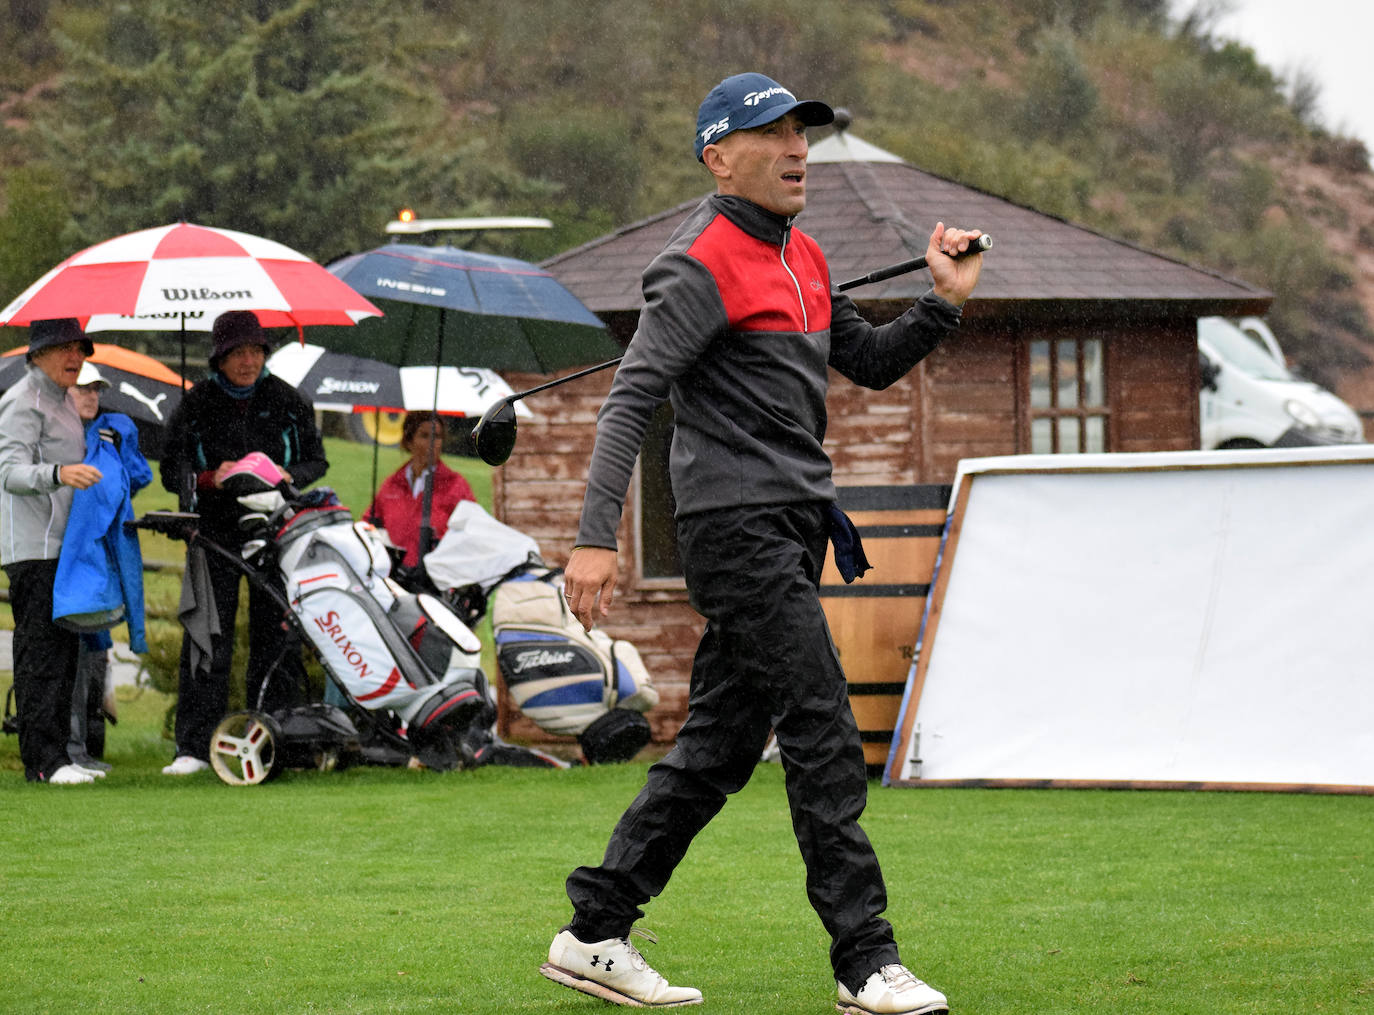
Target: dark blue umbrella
(453, 307)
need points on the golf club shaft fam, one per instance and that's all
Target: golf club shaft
(563, 380)
(977, 246)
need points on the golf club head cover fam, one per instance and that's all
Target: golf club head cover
(618, 735)
(253, 473)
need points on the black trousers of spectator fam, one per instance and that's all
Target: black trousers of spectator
(87, 738)
(203, 700)
(765, 660)
(44, 669)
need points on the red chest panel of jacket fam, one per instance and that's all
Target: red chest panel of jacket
(759, 291)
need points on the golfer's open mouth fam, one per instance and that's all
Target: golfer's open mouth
(795, 176)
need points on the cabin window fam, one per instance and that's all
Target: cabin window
(656, 531)
(1068, 404)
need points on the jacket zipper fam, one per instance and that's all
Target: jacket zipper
(782, 254)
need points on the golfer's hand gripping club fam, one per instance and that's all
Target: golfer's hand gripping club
(977, 246)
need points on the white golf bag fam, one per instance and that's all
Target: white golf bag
(568, 681)
(388, 650)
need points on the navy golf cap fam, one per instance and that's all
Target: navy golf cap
(751, 100)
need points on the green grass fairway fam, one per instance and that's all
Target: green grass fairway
(379, 890)
(376, 891)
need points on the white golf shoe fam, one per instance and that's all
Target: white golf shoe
(185, 764)
(69, 775)
(614, 971)
(892, 990)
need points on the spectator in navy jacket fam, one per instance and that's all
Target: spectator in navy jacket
(238, 409)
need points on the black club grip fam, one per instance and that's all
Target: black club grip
(976, 246)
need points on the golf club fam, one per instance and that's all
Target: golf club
(977, 246)
(493, 437)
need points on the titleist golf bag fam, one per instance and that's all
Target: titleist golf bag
(568, 681)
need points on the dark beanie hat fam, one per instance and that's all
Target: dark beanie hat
(60, 331)
(232, 329)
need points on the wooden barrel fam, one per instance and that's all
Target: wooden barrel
(876, 619)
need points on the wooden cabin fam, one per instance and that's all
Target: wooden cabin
(1072, 342)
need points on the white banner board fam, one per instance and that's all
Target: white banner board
(1193, 618)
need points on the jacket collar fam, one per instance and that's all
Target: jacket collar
(754, 219)
(46, 385)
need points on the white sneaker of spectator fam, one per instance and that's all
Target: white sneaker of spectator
(184, 764)
(69, 775)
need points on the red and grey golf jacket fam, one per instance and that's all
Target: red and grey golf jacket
(739, 326)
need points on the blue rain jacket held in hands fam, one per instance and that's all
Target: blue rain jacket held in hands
(100, 569)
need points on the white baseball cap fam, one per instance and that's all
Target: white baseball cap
(90, 375)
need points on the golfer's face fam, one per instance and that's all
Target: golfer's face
(62, 363)
(767, 165)
(241, 366)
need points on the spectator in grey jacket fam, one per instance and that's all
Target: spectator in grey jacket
(42, 444)
(740, 328)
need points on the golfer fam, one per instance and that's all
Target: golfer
(740, 325)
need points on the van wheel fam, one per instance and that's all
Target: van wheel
(1240, 444)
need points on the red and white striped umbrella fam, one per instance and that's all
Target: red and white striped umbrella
(183, 276)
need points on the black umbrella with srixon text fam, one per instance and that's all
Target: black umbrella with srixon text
(340, 382)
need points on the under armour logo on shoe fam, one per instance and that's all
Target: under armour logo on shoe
(596, 959)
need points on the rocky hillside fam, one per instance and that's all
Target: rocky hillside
(1342, 203)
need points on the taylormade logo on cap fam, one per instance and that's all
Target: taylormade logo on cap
(751, 100)
(754, 98)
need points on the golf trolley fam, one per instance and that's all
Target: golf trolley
(406, 667)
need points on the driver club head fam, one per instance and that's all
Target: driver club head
(494, 435)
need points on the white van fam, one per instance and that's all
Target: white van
(1249, 399)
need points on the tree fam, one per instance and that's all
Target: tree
(29, 246)
(307, 121)
(1060, 95)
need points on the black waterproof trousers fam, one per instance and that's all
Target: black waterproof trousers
(44, 669)
(765, 661)
(273, 648)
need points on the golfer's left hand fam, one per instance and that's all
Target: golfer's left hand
(588, 582)
(954, 279)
